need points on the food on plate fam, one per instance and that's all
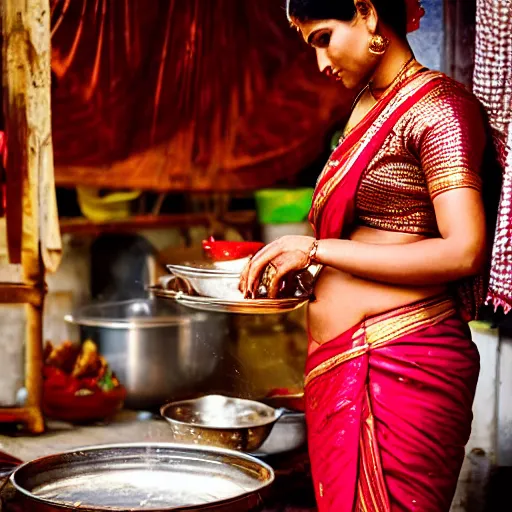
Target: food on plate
(77, 369)
(88, 362)
(292, 285)
(79, 385)
(62, 357)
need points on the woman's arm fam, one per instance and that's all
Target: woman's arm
(459, 252)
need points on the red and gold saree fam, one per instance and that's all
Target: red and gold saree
(388, 402)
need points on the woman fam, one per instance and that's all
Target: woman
(400, 235)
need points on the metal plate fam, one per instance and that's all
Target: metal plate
(143, 477)
(201, 270)
(245, 307)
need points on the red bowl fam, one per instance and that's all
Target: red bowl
(60, 404)
(224, 250)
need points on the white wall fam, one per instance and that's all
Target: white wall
(491, 438)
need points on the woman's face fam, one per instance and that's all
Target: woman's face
(341, 49)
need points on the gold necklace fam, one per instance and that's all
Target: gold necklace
(368, 88)
(393, 83)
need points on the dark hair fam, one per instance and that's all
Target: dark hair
(392, 12)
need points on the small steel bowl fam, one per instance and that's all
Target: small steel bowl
(210, 281)
(225, 422)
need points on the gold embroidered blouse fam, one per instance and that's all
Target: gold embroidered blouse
(437, 146)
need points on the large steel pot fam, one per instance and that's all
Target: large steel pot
(137, 477)
(160, 351)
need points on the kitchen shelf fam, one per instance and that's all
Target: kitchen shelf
(84, 226)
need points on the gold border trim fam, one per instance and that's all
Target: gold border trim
(371, 478)
(380, 330)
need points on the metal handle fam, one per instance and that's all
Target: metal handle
(283, 411)
(176, 284)
(8, 465)
(7, 470)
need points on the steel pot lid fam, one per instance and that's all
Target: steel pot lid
(135, 314)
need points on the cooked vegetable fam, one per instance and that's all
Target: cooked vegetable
(77, 370)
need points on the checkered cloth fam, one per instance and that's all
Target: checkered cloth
(493, 86)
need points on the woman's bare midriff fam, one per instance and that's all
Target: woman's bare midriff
(343, 300)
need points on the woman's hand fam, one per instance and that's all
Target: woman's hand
(281, 256)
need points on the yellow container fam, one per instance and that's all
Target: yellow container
(113, 206)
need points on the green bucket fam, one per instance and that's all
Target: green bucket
(280, 206)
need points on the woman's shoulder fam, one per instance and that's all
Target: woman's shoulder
(446, 93)
(448, 102)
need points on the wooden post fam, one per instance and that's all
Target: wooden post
(26, 58)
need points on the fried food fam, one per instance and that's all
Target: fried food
(78, 368)
(63, 356)
(88, 362)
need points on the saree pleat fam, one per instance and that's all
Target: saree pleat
(389, 409)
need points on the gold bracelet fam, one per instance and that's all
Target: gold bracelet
(312, 253)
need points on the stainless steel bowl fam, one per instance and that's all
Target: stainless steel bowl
(160, 351)
(221, 421)
(210, 282)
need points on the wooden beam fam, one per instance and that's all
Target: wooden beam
(82, 226)
(21, 294)
(26, 58)
(15, 69)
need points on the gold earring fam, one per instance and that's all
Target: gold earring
(378, 44)
(363, 9)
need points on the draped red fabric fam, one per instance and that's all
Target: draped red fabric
(169, 94)
(334, 199)
(366, 453)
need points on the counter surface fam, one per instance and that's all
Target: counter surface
(292, 494)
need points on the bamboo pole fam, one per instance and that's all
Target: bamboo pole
(26, 55)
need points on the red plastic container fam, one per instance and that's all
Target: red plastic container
(222, 250)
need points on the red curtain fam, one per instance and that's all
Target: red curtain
(185, 95)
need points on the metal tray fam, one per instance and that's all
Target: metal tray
(141, 477)
(245, 307)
